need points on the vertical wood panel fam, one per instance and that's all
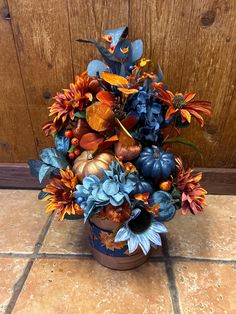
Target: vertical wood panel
(163, 26)
(43, 44)
(88, 20)
(16, 136)
(210, 70)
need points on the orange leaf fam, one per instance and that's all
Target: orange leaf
(91, 141)
(114, 79)
(100, 118)
(129, 122)
(124, 136)
(128, 91)
(107, 143)
(105, 98)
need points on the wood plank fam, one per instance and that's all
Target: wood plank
(210, 70)
(215, 180)
(88, 20)
(42, 38)
(16, 134)
(163, 26)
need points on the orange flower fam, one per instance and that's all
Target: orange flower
(60, 196)
(193, 195)
(183, 105)
(75, 98)
(117, 214)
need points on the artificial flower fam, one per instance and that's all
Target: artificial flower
(193, 195)
(141, 229)
(71, 100)
(60, 194)
(183, 105)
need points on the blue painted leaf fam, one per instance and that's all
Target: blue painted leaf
(44, 171)
(53, 158)
(42, 194)
(80, 114)
(117, 34)
(62, 143)
(160, 75)
(137, 50)
(35, 166)
(96, 66)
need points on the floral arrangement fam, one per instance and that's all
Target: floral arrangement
(114, 128)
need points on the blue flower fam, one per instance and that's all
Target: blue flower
(113, 188)
(150, 116)
(141, 229)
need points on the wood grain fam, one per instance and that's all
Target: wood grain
(41, 31)
(210, 70)
(87, 21)
(15, 123)
(163, 26)
(193, 41)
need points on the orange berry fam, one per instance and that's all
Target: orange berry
(166, 185)
(77, 152)
(68, 133)
(75, 141)
(71, 155)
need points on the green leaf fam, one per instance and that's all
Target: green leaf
(72, 148)
(80, 114)
(181, 140)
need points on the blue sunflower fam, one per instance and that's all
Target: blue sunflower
(141, 229)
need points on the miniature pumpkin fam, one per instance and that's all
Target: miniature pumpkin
(167, 209)
(86, 164)
(124, 152)
(155, 163)
(142, 186)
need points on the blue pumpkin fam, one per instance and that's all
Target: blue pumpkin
(155, 163)
(167, 209)
(142, 186)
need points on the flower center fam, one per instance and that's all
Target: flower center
(179, 102)
(140, 223)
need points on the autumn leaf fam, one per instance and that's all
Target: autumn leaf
(106, 98)
(129, 122)
(128, 91)
(91, 141)
(124, 136)
(99, 117)
(114, 79)
(107, 143)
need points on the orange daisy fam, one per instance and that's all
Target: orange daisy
(183, 105)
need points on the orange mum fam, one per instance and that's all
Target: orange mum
(60, 196)
(73, 99)
(183, 105)
(193, 195)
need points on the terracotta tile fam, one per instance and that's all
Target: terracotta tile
(22, 219)
(10, 272)
(67, 236)
(206, 235)
(83, 286)
(206, 287)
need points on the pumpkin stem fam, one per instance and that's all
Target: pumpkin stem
(156, 151)
(89, 156)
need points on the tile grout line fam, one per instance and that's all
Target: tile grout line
(21, 281)
(171, 277)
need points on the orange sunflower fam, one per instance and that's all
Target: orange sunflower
(193, 195)
(75, 98)
(60, 196)
(183, 105)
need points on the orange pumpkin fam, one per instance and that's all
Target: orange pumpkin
(124, 152)
(87, 164)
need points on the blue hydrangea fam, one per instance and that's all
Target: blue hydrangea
(150, 116)
(113, 188)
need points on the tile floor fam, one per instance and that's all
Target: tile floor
(47, 267)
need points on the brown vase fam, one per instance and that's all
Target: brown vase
(110, 254)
